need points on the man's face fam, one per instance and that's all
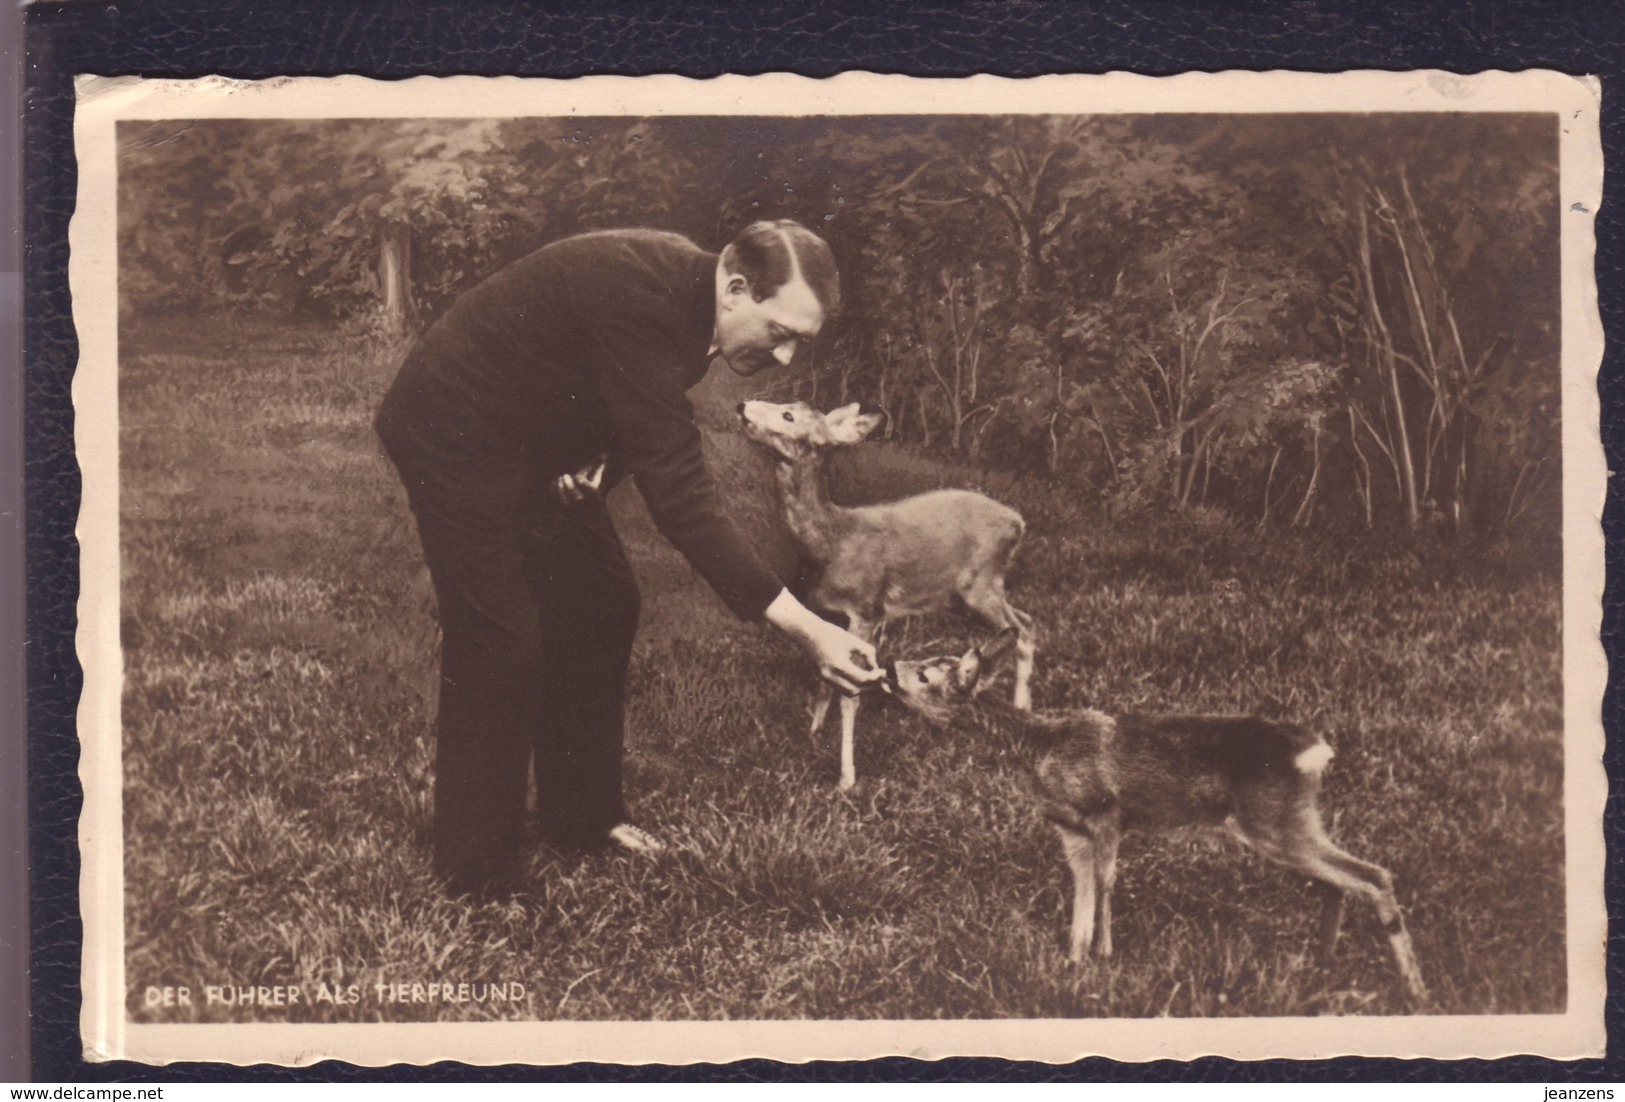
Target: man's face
(755, 335)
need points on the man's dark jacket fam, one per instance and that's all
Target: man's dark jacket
(583, 347)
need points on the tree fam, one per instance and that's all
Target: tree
(1304, 318)
(1429, 347)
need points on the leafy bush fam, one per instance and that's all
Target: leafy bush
(1332, 321)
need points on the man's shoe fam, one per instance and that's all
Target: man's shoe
(633, 839)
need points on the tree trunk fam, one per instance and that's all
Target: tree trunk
(395, 279)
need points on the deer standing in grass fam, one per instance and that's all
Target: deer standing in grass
(879, 563)
(1095, 776)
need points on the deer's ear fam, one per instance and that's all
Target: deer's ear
(998, 646)
(845, 426)
(967, 673)
(865, 423)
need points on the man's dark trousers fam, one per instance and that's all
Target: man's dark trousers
(538, 610)
(587, 346)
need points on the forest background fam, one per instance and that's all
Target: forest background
(1340, 322)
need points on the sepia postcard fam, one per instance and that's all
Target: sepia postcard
(652, 570)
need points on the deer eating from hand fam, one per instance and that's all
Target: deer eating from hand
(875, 564)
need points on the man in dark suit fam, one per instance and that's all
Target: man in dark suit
(582, 349)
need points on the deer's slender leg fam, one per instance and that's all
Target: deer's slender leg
(1319, 858)
(1080, 857)
(1026, 650)
(1106, 880)
(987, 599)
(820, 709)
(1331, 917)
(864, 630)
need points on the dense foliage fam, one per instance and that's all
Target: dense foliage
(1307, 320)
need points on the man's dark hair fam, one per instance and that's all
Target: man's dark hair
(767, 253)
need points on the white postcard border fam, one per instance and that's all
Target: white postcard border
(93, 237)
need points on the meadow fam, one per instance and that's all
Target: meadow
(280, 665)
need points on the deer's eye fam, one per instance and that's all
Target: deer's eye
(788, 416)
(924, 680)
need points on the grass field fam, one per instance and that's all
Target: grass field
(280, 656)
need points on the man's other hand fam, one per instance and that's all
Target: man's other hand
(578, 486)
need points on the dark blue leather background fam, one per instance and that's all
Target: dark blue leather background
(1022, 37)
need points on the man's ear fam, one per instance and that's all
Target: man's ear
(736, 284)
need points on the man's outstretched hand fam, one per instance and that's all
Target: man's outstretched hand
(843, 659)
